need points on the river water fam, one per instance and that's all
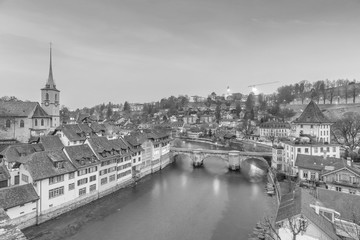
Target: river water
(179, 202)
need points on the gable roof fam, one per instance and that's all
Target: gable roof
(17, 195)
(342, 165)
(297, 203)
(41, 165)
(4, 173)
(312, 114)
(73, 132)
(15, 152)
(316, 162)
(51, 142)
(16, 108)
(40, 112)
(81, 155)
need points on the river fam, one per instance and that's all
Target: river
(179, 202)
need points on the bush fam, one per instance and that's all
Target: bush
(280, 176)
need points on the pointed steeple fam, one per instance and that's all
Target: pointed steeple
(50, 82)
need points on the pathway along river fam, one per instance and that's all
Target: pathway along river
(178, 203)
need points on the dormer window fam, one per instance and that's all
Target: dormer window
(59, 164)
(47, 97)
(8, 123)
(36, 123)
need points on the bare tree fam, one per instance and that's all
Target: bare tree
(296, 224)
(247, 128)
(330, 88)
(347, 129)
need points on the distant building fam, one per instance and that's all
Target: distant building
(274, 129)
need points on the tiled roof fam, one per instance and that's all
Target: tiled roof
(73, 132)
(97, 127)
(298, 203)
(17, 195)
(342, 165)
(312, 114)
(14, 152)
(81, 155)
(4, 173)
(119, 142)
(316, 162)
(51, 142)
(42, 165)
(85, 128)
(16, 108)
(40, 112)
(347, 205)
(102, 145)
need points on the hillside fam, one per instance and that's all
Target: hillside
(332, 111)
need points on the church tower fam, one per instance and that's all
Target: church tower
(50, 97)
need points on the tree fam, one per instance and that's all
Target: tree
(9, 99)
(64, 114)
(238, 109)
(347, 129)
(247, 128)
(250, 102)
(218, 113)
(286, 94)
(286, 113)
(330, 87)
(354, 90)
(296, 224)
(127, 107)
(109, 112)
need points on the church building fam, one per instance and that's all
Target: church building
(22, 121)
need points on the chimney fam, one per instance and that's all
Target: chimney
(348, 161)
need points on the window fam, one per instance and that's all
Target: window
(71, 186)
(104, 181)
(306, 150)
(92, 178)
(24, 178)
(315, 149)
(71, 175)
(82, 172)
(299, 150)
(36, 122)
(8, 123)
(92, 169)
(112, 178)
(338, 189)
(56, 179)
(311, 126)
(301, 126)
(92, 187)
(22, 124)
(82, 181)
(55, 97)
(352, 191)
(56, 192)
(312, 176)
(305, 175)
(82, 191)
(42, 122)
(47, 97)
(334, 149)
(134, 160)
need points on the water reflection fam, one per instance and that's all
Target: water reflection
(183, 180)
(216, 186)
(216, 165)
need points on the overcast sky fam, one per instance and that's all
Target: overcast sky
(144, 50)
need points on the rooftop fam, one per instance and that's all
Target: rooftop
(17, 195)
(312, 114)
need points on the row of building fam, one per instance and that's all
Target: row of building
(44, 179)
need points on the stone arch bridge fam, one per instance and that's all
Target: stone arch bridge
(234, 158)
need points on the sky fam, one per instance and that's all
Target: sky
(144, 50)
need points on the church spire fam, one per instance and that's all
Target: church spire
(50, 82)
